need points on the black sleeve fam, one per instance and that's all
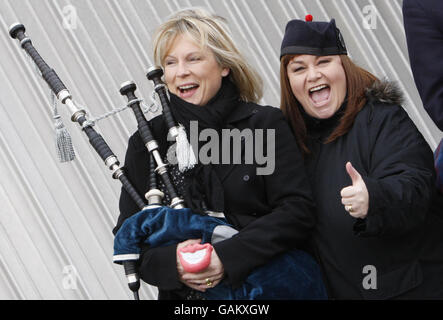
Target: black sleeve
(292, 217)
(135, 172)
(157, 265)
(423, 22)
(401, 179)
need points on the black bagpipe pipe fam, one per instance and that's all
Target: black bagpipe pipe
(128, 89)
(154, 74)
(17, 31)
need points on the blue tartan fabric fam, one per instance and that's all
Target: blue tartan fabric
(161, 227)
(438, 157)
(293, 275)
(290, 276)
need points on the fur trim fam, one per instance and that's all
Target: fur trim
(385, 92)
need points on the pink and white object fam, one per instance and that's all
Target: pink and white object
(195, 257)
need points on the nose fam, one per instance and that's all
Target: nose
(182, 69)
(313, 74)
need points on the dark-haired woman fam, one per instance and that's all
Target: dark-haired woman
(379, 228)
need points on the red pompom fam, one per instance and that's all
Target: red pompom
(308, 18)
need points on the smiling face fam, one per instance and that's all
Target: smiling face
(318, 83)
(192, 73)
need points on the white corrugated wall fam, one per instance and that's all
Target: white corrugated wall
(56, 219)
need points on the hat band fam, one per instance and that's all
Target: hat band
(313, 51)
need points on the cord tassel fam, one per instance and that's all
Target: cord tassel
(63, 141)
(185, 154)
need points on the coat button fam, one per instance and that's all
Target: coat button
(255, 111)
(245, 178)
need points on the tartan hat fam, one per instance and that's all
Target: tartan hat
(315, 38)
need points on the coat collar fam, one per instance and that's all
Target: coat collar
(385, 91)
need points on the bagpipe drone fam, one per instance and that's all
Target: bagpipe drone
(293, 275)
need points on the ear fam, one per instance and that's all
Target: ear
(225, 72)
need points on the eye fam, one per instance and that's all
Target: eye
(297, 69)
(194, 58)
(169, 62)
(323, 61)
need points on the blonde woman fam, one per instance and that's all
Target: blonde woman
(209, 81)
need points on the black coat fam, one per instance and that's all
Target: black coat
(401, 236)
(274, 212)
(423, 22)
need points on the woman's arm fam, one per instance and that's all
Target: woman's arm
(287, 192)
(401, 177)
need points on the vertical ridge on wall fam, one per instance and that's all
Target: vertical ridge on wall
(56, 219)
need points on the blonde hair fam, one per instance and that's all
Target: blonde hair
(210, 31)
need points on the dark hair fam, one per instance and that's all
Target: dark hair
(357, 80)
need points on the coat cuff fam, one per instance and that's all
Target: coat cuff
(159, 267)
(235, 264)
(372, 224)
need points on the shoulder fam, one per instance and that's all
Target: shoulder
(421, 5)
(135, 143)
(384, 99)
(383, 110)
(246, 110)
(419, 13)
(381, 115)
(264, 116)
(385, 118)
(409, 4)
(378, 117)
(262, 110)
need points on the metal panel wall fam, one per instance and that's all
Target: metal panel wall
(56, 219)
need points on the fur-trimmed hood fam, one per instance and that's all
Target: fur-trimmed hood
(386, 92)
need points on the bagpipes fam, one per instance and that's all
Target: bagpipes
(152, 212)
(158, 225)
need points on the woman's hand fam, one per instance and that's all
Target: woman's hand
(207, 278)
(355, 198)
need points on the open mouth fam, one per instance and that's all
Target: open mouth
(320, 94)
(187, 90)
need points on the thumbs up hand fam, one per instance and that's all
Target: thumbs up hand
(355, 198)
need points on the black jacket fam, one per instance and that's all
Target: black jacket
(423, 21)
(274, 212)
(401, 238)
